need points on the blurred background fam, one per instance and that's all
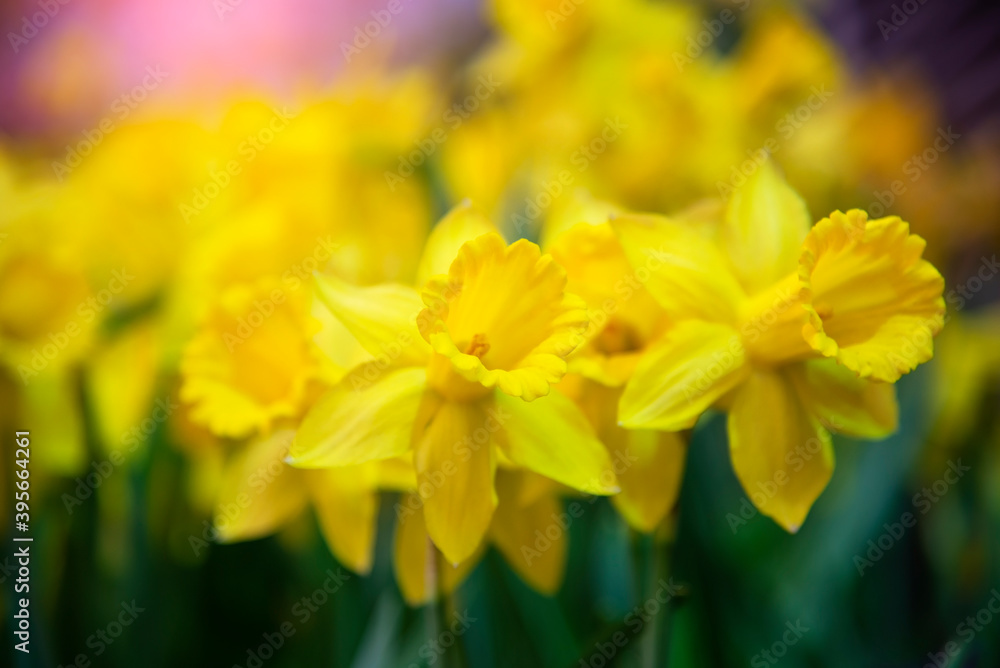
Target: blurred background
(152, 154)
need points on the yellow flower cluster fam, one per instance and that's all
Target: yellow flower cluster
(280, 285)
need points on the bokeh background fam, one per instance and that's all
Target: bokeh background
(155, 97)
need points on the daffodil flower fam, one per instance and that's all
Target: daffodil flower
(625, 320)
(461, 379)
(793, 331)
(251, 361)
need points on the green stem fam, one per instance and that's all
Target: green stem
(647, 572)
(431, 612)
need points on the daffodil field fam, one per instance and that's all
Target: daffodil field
(570, 333)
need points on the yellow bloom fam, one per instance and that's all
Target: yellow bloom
(251, 360)
(461, 384)
(792, 330)
(625, 320)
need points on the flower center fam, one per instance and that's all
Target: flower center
(479, 346)
(618, 337)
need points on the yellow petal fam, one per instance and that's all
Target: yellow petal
(259, 492)
(650, 472)
(413, 554)
(341, 349)
(353, 425)
(251, 360)
(501, 318)
(683, 375)
(873, 303)
(463, 223)
(121, 387)
(551, 436)
(421, 571)
(531, 537)
(649, 464)
(346, 505)
(570, 211)
(781, 454)
(396, 473)
(765, 224)
(843, 402)
(383, 318)
(455, 463)
(684, 271)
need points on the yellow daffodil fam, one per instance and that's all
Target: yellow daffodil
(250, 363)
(793, 331)
(461, 379)
(625, 320)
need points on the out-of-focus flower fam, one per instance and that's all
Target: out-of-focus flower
(625, 319)
(967, 367)
(49, 314)
(461, 381)
(792, 330)
(259, 494)
(251, 362)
